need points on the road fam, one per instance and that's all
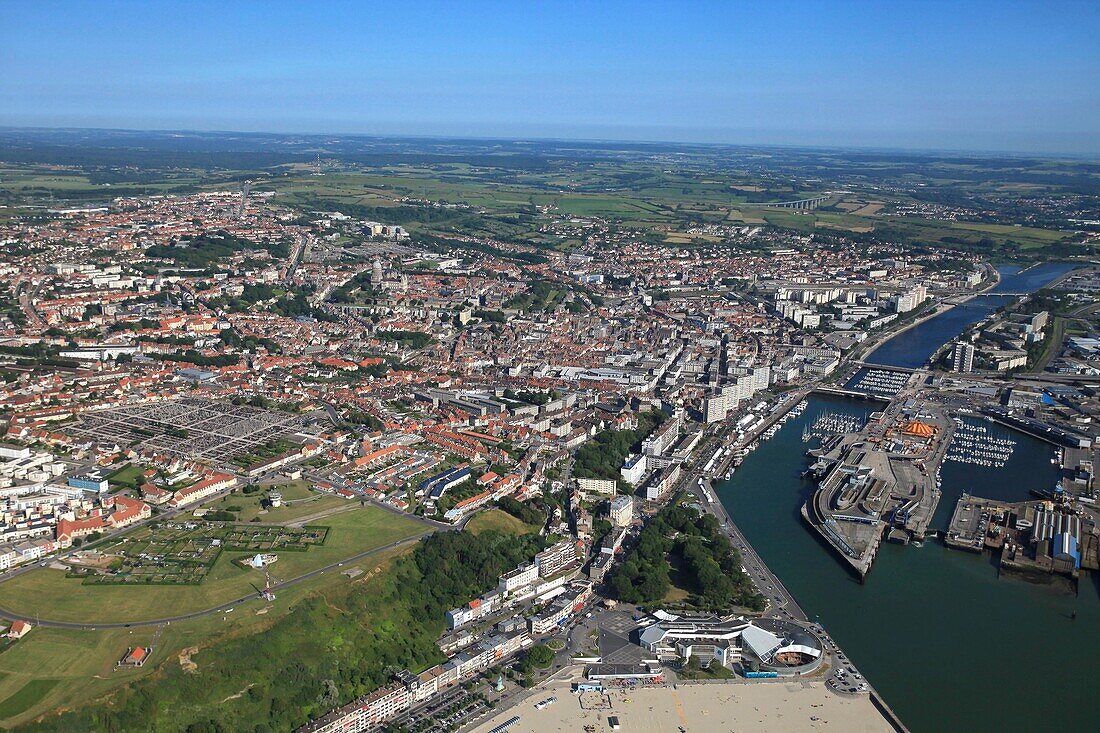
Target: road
(515, 695)
(295, 258)
(844, 678)
(333, 415)
(780, 602)
(430, 525)
(27, 297)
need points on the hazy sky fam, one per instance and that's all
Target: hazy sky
(966, 74)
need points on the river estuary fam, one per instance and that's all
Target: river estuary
(913, 348)
(948, 643)
(951, 644)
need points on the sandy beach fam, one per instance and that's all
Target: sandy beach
(777, 707)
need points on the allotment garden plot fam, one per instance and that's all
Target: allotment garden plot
(183, 553)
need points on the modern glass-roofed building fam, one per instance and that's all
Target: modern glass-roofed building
(728, 640)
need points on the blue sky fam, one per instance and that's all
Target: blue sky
(967, 74)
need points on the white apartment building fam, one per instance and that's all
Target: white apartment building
(604, 486)
(622, 510)
(556, 557)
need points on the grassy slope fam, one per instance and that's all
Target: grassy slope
(501, 521)
(84, 661)
(67, 599)
(267, 676)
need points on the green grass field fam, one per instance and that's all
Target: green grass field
(48, 591)
(641, 197)
(501, 521)
(298, 501)
(26, 697)
(44, 184)
(63, 668)
(128, 477)
(954, 233)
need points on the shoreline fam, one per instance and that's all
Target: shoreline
(790, 605)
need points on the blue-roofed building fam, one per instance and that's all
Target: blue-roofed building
(1065, 550)
(439, 484)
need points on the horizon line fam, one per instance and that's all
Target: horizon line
(970, 152)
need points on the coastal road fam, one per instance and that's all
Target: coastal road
(780, 601)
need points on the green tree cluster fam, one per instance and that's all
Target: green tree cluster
(603, 456)
(709, 564)
(539, 656)
(211, 247)
(521, 511)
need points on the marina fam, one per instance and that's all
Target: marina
(877, 478)
(975, 444)
(899, 474)
(787, 416)
(828, 424)
(879, 382)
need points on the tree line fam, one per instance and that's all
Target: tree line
(603, 456)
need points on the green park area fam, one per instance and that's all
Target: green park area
(127, 477)
(265, 666)
(52, 668)
(499, 521)
(684, 561)
(68, 599)
(299, 502)
(183, 552)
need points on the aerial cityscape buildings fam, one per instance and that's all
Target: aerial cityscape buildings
(232, 373)
(697, 367)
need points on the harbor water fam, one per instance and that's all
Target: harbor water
(913, 348)
(950, 643)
